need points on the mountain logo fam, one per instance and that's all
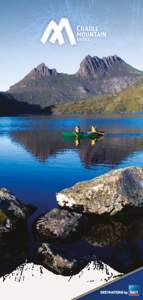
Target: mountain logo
(53, 32)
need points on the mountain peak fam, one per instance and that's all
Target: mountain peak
(93, 66)
(42, 65)
(42, 71)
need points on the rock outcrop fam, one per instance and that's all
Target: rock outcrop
(13, 231)
(42, 71)
(115, 192)
(94, 66)
(59, 224)
(12, 212)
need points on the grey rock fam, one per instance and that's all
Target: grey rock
(42, 71)
(117, 191)
(95, 66)
(59, 224)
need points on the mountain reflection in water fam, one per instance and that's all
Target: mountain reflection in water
(107, 150)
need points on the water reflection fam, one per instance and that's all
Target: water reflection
(116, 242)
(108, 150)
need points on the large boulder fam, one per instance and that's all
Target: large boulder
(59, 224)
(117, 191)
(12, 212)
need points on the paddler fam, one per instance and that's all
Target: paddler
(93, 129)
(77, 129)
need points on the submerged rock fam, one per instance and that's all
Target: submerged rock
(106, 239)
(59, 224)
(60, 261)
(117, 191)
(70, 259)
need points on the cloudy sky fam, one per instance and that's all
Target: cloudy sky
(22, 24)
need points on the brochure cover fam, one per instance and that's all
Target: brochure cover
(71, 149)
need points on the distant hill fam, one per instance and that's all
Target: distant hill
(128, 100)
(10, 106)
(95, 77)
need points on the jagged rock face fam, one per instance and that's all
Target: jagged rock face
(93, 66)
(115, 192)
(42, 71)
(59, 224)
(109, 61)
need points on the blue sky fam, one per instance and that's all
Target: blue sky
(23, 22)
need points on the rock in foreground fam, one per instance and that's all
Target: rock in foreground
(59, 224)
(13, 231)
(12, 212)
(108, 194)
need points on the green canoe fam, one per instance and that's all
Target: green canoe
(83, 135)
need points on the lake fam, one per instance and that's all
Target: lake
(36, 162)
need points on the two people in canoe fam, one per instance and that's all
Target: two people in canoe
(93, 129)
(77, 130)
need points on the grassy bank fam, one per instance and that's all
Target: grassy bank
(129, 100)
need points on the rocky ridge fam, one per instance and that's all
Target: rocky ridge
(96, 77)
(95, 66)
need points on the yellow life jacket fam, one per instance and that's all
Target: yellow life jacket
(93, 129)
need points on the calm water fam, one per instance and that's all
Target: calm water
(36, 162)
